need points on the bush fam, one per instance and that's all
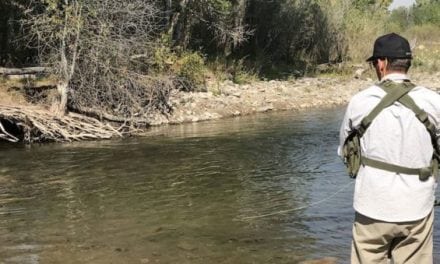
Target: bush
(424, 33)
(361, 33)
(190, 67)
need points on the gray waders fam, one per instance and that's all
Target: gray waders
(396, 92)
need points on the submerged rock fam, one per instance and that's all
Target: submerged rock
(326, 260)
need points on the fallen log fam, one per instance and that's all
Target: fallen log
(22, 71)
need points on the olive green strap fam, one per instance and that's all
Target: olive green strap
(394, 92)
(408, 102)
(423, 173)
(422, 116)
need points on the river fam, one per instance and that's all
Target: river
(267, 188)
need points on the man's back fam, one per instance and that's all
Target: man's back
(395, 136)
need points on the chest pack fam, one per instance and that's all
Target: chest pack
(395, 92)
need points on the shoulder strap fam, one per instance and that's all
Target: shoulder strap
(421, 115)
(394, 92)
(399, 92)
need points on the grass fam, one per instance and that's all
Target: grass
(12, 90)
(427, 57)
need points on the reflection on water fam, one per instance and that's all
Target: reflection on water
(181, 195)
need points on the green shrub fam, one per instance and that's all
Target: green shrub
(361, 32)
(241, 74)
(190, 66)
(424, 33)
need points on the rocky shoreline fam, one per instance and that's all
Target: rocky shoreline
(228, 99)
(37, 123)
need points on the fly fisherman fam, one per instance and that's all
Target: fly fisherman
(389, 139)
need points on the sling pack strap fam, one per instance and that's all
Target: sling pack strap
(423, 173)
(399, 92)
(394, 92)
(422, 116)
(351, 148)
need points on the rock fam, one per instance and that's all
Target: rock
(327, 260)
(265, 108)
(237, 94)
(358, 73)
(205, 95)
(186, 246)
(145, 261)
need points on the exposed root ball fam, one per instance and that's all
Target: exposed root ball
(31, 124)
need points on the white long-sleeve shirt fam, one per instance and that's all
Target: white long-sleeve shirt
(395, 136)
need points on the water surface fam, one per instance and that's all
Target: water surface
(195, 193)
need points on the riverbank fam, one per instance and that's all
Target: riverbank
(35, 122)
(227, 99)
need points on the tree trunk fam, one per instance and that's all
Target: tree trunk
(180, 25)
(4, 30)
(59, 106)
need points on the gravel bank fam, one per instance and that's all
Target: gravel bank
(234, 100)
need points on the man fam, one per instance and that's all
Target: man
(394, 209)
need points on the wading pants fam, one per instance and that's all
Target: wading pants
(374, 242)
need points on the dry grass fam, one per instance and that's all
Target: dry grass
(427, 56)
(27, 91)
(10, 96)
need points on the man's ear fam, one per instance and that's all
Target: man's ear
(383, 64)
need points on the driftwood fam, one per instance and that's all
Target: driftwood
(37, 125)
(24, 71)
(109, 117)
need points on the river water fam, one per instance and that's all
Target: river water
(262, 189)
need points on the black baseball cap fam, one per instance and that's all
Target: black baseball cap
(391, 46)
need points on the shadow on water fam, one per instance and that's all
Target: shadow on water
(183, 194)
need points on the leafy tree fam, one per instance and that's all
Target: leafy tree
(427, 12)
(215, 26)
(13, 50)
(371, 4)
(100, 51)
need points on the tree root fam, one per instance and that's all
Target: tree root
(109, 117)
(39, 125)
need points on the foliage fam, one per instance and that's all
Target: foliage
(13, 50)
(421, 25)
(104, 46)
(361, 32)
(242, 74)
(190, 68)
(427, 13)
(101, 50)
